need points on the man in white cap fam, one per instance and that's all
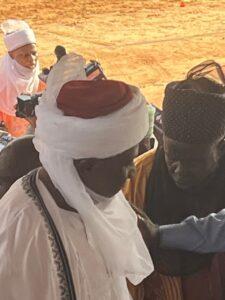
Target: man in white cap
(19, 71)
(66, 230)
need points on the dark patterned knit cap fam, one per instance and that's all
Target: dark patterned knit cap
(192, 113)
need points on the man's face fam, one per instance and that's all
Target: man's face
(191, 165)
(107, 176)
(26, 56)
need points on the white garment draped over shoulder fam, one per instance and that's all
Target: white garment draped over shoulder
(15, 80)
(111, 229)
(27, 267)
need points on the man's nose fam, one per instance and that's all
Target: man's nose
(181, 169)
(176, 167)
(32, 58)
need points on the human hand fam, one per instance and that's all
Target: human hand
(32, 121)
(149, 230)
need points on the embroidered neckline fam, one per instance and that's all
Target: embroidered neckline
(63, 287)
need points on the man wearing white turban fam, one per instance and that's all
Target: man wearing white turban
(66, 230)
(19, 71)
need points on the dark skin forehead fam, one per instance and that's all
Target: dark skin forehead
(179, 150)
(124, 157)
(121, 158)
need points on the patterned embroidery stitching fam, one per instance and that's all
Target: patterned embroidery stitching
(64, 293)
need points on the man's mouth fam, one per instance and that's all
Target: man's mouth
(185, 183)
(191, 183)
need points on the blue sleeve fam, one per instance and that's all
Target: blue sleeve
(193, 234)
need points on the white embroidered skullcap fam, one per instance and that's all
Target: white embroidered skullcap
(17, 33)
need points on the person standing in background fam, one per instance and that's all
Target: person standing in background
(19, 70)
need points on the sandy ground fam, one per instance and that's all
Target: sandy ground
(144, 42)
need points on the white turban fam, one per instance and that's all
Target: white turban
(111, 224)
(17, 33)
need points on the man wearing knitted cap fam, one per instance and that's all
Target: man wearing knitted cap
(184, 178)
(66, 230)
(19, 71)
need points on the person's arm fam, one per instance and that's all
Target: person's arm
(193, 234)
(203, 235)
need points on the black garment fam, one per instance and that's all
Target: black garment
(165, 204)
(17, 159)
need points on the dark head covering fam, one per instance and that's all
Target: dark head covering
(194, 111)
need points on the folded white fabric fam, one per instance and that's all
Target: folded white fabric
(17, 33)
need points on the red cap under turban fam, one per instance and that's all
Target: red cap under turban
(91, 99)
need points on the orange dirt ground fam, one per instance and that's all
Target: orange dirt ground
(144, 42)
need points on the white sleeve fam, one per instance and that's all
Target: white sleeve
(200, 235)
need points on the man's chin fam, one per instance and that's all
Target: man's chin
(32, 67)
(190, 186)
(186, 183)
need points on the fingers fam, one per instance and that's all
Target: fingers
(138, 210)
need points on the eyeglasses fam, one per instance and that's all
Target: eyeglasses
(207, 68)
